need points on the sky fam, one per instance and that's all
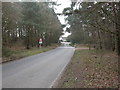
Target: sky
(59, 9)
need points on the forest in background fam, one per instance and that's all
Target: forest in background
(24, 23)
(96, 24)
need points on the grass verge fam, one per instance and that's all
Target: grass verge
(91, 69)
(12, 54)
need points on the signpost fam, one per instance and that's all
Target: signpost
(40, 42)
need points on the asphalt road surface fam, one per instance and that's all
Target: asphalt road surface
(38, 71)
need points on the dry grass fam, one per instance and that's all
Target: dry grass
(91, 69)
(14, 54)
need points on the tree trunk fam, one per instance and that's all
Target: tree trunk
(28, 37)
(118, 28)
(100, 43)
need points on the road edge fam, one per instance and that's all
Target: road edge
(56, 81)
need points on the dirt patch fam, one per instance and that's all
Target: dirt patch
(83, 48)
(80, 47)
(91, 69)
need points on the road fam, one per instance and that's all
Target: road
(38, 71)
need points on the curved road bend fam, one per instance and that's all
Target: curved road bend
(37, 71)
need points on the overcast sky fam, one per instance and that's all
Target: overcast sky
(60, 8)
